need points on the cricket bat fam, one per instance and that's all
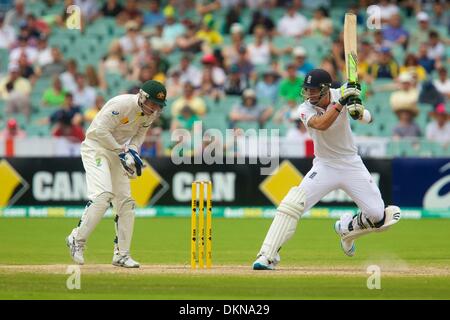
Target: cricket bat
(350, 48)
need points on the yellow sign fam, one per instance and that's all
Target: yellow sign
(149, 186)
(12, 184)
(276, 186)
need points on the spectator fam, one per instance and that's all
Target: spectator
(218, 75)
(439, 129)
(90, 113)
(23, 48)
(245, 66)
(386, 10)
(37, 27)
(152, 146)
(290, 86)
(172, 28)
(385, 67)
(420, 34)
(174, 85)
(209, 88)
(17, 83)
(188, 72)
(413, 67)
(17, 102)
(436, 49)
(111, 8)
(67, 129)
(231, 52)
(16, 16)
(442, 83)
(114, 61)
(84, 95)
(12, 131)
(189, 98)
(208, 34)
(26, 69)
(54, 96)
(236, 82)
(7, 34)
(260, 51)
(92, 78)
(189, 42)
(287, 113)
(89, 9)
(379, 42)
(321, 23)
(153, 16)
(249, 110)
(268, 87)
(206, 6)
(440, 15)
(260, 18)
(232, 16)
(158, 42)
(406, 127)
(68, 110)
(68, 76)
(407, 95)
(132, 42)
(44, 55)
(395, 33)
(426, 62)
(56, 67)
(131, 12)
(185, 120)
(292, 24)
(303, 66)
(296, 136)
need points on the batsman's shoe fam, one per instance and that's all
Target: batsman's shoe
(76, 249)
(263, 263)
(124, 261)
(348, 246)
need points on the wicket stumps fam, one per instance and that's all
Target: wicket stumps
(198, 228)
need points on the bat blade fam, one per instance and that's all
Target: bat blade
(350, 47)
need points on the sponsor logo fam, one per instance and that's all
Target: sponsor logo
(115, 113)
(161, 95)
(124, 120)
(13, 186)
(276, 186)
(436, 197)
(312, 175)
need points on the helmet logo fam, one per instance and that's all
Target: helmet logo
(309, 79)
(161, 95)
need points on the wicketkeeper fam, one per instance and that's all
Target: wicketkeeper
(110, 155)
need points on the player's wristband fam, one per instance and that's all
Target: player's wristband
(335, 108)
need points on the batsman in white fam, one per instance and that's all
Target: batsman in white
(336, 166)
(110, 155)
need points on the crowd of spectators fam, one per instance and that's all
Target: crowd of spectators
(234, 58)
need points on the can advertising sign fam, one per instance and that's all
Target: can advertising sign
(61, 182)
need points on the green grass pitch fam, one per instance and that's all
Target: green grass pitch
(414, 259)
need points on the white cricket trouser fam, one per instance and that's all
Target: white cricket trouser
(104, 173)
(105, 176)
(349, 175)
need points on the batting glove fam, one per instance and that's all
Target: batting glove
(355, 107)
(348, 90)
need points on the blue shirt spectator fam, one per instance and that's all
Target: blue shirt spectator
(154, 16)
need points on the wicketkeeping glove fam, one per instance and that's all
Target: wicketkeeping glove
(350, 89)
(355, 107)
(131, 162)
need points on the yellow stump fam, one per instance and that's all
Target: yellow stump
(194, 226)
(209, 225)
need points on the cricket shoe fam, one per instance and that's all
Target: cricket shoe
(124, 261)
(263, 263)
(348, 246)
(76, 249)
